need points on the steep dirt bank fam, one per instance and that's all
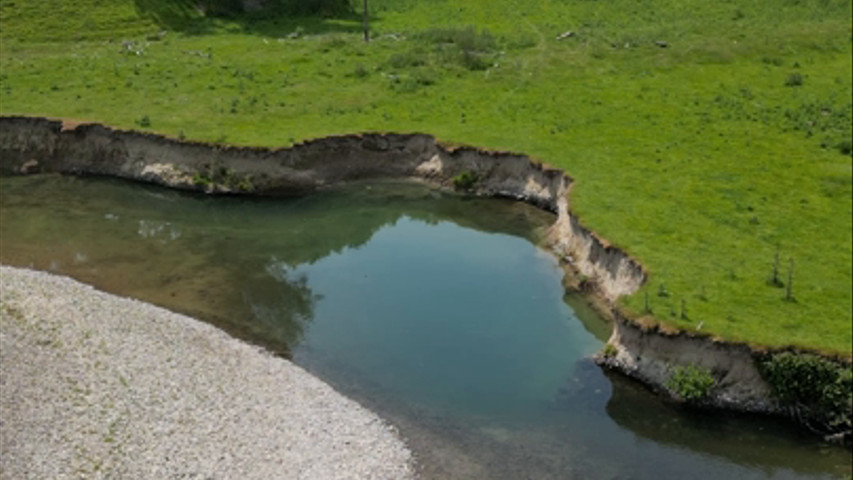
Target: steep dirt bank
(31, 145)
(649, 354)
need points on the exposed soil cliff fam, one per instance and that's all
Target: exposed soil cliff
(650, 354)
(30, 145)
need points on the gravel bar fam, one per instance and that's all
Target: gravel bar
(98, 386)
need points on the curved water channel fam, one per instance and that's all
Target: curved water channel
(437, 311)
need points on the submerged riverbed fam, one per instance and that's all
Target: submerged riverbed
(437, 311)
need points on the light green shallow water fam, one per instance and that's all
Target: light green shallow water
(438, 312)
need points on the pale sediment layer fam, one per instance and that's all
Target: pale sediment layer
(97, 386)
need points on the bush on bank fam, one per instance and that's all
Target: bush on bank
(816, 391)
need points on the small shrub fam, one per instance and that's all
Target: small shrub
(662, 291)
(609, 351)
(245, 184)
(815, 389)
(144, 121)
(201, 180)
(691, 383)
(845, 147)
(465, 180)
(794, 80)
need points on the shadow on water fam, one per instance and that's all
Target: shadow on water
(594, 323)
(760, 442)
(273, 18)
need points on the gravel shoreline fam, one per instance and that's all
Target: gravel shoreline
(97, 386)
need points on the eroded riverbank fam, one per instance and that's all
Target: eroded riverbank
(32, 145)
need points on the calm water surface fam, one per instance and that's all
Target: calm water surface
(438, 312)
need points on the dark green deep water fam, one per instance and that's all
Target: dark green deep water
(437, 311)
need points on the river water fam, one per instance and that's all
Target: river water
(437, 311)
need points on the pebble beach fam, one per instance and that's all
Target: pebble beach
(98, 386)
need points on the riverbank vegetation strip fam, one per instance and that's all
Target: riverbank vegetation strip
(709, 140)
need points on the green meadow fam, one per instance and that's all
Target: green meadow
(710, 140)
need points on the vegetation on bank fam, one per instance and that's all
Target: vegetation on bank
(690, 383)
(816, 392)
(710, 140)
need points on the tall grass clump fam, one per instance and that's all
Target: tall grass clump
(467, 46)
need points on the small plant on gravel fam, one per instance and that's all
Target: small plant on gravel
(691, 383)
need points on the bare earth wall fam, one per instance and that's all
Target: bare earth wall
(33, 145)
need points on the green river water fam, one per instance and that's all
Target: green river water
(437, 311)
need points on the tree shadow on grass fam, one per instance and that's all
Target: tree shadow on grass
(276, 19)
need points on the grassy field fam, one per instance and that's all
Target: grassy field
(706, 157)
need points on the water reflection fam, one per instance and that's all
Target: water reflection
(434, 310)
(218, 259)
